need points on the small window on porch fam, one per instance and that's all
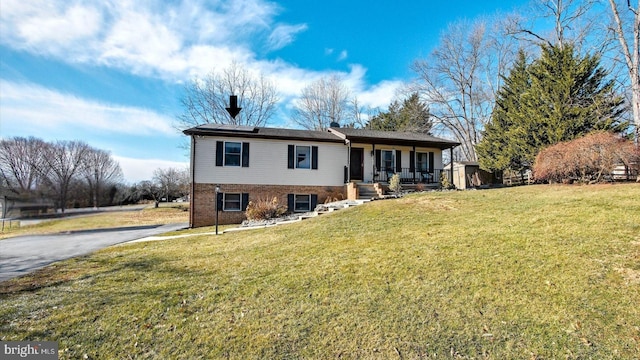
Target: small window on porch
(387, 160)
(422, 162)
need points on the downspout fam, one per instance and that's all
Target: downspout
(348, 161)
(193, 179)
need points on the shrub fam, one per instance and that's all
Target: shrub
(333, 195)
(264, 209)
(590, 158)
(444, 181)
(394, 183)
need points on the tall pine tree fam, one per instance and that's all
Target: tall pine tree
(501, 146)
(411, 116)
(559, 97)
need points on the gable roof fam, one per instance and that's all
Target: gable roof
(392, 138)
(336, 135)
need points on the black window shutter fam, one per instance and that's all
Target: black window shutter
(219, 152)
(245, 154)
(291, 206)
(219, 201)
(314, 201)
(412, 161)
(399, 161)
(430, 162)
(314, 157)
(291, 154)
(378, 159)
(245, 201)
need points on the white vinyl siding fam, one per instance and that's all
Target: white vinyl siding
(268, 159)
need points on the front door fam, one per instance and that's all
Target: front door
(356, 170)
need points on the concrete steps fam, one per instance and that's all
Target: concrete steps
(367, 192)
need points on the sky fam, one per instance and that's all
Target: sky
(112, 72)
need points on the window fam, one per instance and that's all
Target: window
(232, 153)
(232, 202)
(422, 161)
(302, 203)
(387, 160)
(303, 157)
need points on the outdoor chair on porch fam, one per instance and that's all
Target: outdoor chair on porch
(390, 174)
(426, 177)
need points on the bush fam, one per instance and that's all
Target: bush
(264, 209)
(444, 181)
(591, 158)
(394, 184)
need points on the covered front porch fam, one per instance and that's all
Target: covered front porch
(375, 156)
(410, 175)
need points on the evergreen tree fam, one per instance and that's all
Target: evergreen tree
(558, 97)
(411, 116)
(501, 145)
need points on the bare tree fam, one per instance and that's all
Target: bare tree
(63, 161)
(570, 20)
(171, 182)
(150, 189)
(205, 100)
(627, 30)
(459, 80)
(99, 169)
(20, 159)
(325, 101)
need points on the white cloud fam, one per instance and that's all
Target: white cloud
(173, 41)
(43, 26)
(380, 95)
(136, 170)
(283, 35)
(146, 38)
(34, 107)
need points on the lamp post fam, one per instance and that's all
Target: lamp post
(216, 206)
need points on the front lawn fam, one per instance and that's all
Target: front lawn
(536, 272)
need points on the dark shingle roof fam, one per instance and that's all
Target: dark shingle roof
(262, 133)
(393, 138)
(337, 135)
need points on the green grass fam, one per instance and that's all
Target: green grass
(537, 272)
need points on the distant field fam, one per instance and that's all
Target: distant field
(165, 214)
(535, 272)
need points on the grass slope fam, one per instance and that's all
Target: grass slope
(538, 272)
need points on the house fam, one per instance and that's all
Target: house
(300, 168)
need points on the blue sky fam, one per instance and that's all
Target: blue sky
(111, 72)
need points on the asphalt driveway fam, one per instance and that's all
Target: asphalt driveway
(24, 254)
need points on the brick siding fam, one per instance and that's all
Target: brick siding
(203, 200)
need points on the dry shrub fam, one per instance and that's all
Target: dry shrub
(264, 209)
(333, 195)
(591, 158)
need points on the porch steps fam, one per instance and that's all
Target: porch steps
(367, 192)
